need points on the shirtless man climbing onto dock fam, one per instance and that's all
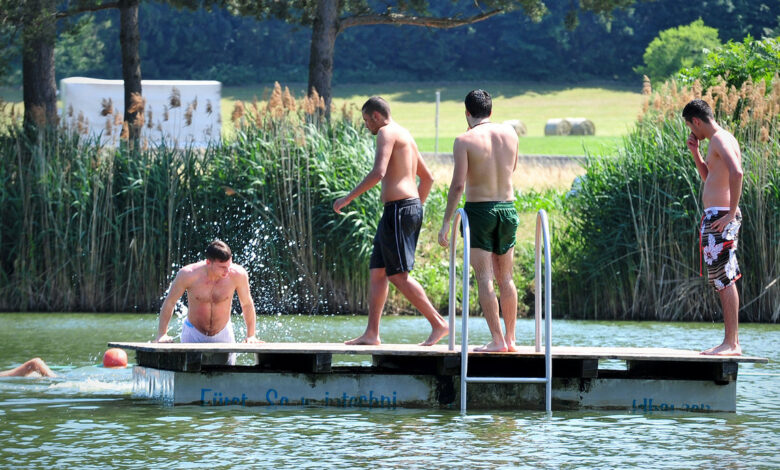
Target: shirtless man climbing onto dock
(485, 158)
(721, 172)
(210, 285)
(396, 164)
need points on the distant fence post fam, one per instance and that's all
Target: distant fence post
(436, 140)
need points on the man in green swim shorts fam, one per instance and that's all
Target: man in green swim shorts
(485, 158)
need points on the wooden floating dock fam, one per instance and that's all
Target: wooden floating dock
(400, 375)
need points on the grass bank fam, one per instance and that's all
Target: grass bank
(613, 109)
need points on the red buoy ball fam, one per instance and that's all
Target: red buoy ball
(115, 357)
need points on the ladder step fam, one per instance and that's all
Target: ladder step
(511, 380)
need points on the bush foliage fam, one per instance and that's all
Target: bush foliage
(675, 48)
(737, 62)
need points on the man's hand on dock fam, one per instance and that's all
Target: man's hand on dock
(252, 339)
(163, 339)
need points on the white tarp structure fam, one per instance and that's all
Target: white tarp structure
(179, 112)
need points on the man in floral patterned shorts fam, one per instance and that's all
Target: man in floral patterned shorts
(719, 231)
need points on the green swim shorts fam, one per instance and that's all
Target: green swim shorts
(493, 225)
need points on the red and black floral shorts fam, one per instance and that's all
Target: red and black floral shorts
(718, 249)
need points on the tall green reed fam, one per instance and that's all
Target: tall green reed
(90, 228)
(631, 248)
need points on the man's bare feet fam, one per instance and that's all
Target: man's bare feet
(437, 334)
(724, 350)
(365, 339)
(492, 347)
(510, 344)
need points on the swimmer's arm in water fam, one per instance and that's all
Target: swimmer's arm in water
(457, 186)
(31, 367)
(384, 150)
(247, 306)
(426, 177)
(177, 289)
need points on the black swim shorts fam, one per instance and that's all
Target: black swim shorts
(396, 236)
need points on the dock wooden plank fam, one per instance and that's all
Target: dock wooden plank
(558, 352)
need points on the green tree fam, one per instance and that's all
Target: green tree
(736, 62)
(676, 48)
(10, 13)
(80, 50)
(328, 18)
(37, 20)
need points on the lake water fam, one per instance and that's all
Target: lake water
(86, 418)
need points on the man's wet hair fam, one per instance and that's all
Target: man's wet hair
(218, 251)
(479, 104)
(378, 104)
(698, 109)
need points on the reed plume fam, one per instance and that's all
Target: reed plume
(174, 99)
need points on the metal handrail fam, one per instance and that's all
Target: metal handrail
(460, 216)
(543, 232)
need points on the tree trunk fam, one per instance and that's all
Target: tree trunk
(323, 41)
(40, 87)
(130, 40)
(327, 25)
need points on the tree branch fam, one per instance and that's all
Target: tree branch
(429, 21)
(105, 6)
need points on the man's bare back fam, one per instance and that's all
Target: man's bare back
(396, 164)
(491, 150)
(716, 191)
(399, 179)
(485, 158)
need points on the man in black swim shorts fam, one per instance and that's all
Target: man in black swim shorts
(396, 164)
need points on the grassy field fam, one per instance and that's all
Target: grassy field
(613, 109)
(551, 145)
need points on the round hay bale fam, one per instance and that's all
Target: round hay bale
(557, 127)
(518, 126)
(582, 126)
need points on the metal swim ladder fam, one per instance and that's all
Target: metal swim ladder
(542, 234)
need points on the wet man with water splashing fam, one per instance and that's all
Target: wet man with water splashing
(210, 285)
(396, 164)
(719, 230)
